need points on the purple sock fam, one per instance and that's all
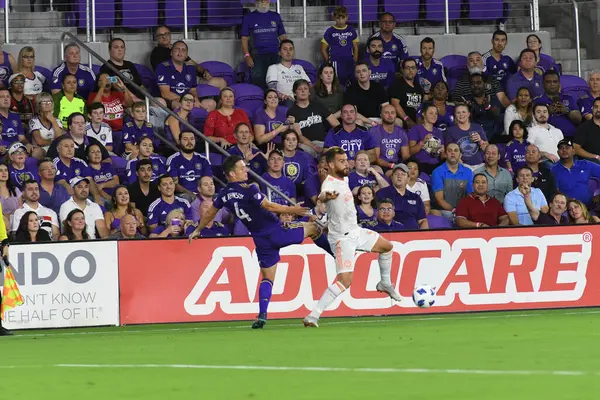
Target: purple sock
(264, 295)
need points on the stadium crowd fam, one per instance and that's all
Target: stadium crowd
(500, 145)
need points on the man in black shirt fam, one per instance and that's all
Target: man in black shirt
(143, 192)
(462, 86)
(587, 137)
(406, 93)
(116, 51)
(368, 96)
(555, 214)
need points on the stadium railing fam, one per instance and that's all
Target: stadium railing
(69, 37)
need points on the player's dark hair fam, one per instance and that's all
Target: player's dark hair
(558, 194)
(95, 106)
(427, 40)
(65, 78)
(277, 152)
(142, 138)
(229, 164)
(499, 33)
(479, 174)
(138, 104)
(142, 162)
(284, 41)
(538, 105)
(332, 152)
(299, 83)
(162, 178)
(285, 134)
(523, 126)
(478, 74)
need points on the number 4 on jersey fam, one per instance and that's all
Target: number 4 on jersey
(240, 213)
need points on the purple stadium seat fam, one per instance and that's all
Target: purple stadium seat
(140, 14)
(205, 90)
(455, 65)
(574, 85)
(249, 97)
(148, 79)
(105, 13)
(369, 10)
(403, 11)
(435, 10)
(486, 10)
(223, 13)
(451, 83)
(436, 222)
(309, 68)
(221, 70)
(174, 13)
(243, 73)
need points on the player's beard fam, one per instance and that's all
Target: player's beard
(343, 172)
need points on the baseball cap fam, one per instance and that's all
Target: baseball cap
(74, 181)
(401, 166)
(16, 147)
(14, 76)
(565, 141)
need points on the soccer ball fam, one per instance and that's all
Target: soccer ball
(424, 296)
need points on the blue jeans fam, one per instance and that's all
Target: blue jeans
(262, 62)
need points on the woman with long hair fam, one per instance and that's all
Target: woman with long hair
(366, 205)
(417, 185)
(174, 128)
(221, 122)
(44, 127)
(271, 120)
(114, 96)
(517, 147)
(74, 227)
(174, 226)
(297, 164)
(34, 80)
(104, 174)
(67, 101)
(426, 142)
(579, 214)
(29, 229)
(122, 206)
(328, 90)
(10, 195)
(544, 61)
(520, 110)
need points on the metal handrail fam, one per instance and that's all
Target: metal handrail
(151, 98)
(577, 39)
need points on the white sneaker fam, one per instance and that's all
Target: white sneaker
(311, 322)
(389, 289)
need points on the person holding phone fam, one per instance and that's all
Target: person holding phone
(114, 95)
(174, 226)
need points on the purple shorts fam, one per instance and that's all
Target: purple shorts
(269, 244)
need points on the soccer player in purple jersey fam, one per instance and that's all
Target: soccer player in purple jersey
(257, 214)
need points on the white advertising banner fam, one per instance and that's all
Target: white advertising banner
(65, 285)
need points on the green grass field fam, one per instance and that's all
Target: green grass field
(518, 355)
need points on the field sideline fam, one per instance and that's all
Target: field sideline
(516, 355)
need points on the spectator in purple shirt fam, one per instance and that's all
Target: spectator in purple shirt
(364, 174)
(275, 177)
(52, 195)
(469, 137)
(206, 191)
(298, 165)
(86, 79)
(390, 140)
(365, 204)
(103, 174)
(11, 125)
(22, 168)
(525, 77)
(429, 70)
(339, 45)
(271, 120)
(255, 159)
(586, 102)
(383, 71)
(158, 210)
(134, 129)
(176, 78)
(516, 149)
(266, 30)
(564, 111)
(499, 65)
(68, 166)
(445, 108)
(187, 166)
(426, 142)
(394, 48)
(145, 150)
(544, 61)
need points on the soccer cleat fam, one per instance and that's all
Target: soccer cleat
(311, 322)
(260, 322)
(389, 289)
(5, 332)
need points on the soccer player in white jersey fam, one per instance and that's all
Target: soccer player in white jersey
(346, 237)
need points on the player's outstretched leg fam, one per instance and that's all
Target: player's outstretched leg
(264, 296)
(331, 293)
(384, 248)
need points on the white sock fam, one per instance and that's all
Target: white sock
(385, 267)
(331, 293)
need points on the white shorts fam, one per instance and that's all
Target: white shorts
(345, 247)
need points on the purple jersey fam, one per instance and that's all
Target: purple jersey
(471, 153)
(217, 229)
(515, 154)
(545, 63)
(105, 174)
(517, 81)
(179, 83)
(431, 75)
(265, 29)
(158, 210)
(384, 73)
(158, 168)
(394, 50)
(586, 104)
(429, 154)
(188, 172)
(5, 70)
(364, 219)
(258, 164)
(132, 133)
(389, 143)
(285, 185)
(270, 124)
(561, 121)
(443, 121)
(77, 167)
(29, 172)
(86, 79)
(298, 167)
(500, 69)
(312, 187)
(340, 42)
(12, 128)
(356, 180)
(350, 142)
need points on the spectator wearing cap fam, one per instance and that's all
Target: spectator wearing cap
(143, 191)
(451, 181)
(167, 202)
(587, 137)
(10, 122)
(68, 166)
(409, 207)
(479, 209)
(282, 76)
(94, 218)
(573, 176)
(19, 103)
(276, 178)
(586, 102)
(499, 180)
(364, 174)
(213, 228)
(21, 168)
(545, 136)
(564, 111)
(127, 229)
(52, 195)
(526, 76)
(462, 86)
(525, 203)
(266, 30)
(556, 213)
(500, 66)
(351, 137)
(84, 76)
(542, 177)
(48, 220)
(385, 218)
(186, 166)
(81, 141)
(206, 191)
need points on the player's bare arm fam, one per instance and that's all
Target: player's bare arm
(206, 219)
(280, 209)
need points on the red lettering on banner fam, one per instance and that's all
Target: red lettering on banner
(318, 274)
(475, 277)
(521, 272)
(408, 276)
(554, 265)
(232, 271)
(360, 278)
(293, 279)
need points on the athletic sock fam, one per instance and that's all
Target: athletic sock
(264, 295)
(331, 293)
(385, 267)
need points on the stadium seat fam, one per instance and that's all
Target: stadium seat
(174, 13)
(221, 70)
(574, 85)
(404, 11)
(437, 222)
(369, 7)
(243, 73)
(148, 79)
(309, 68)
(205, 90)
(435, 10)
(140, 14)
(455, 65)
(486, 10)
(223, 13)
(249, 97)
(105, 13)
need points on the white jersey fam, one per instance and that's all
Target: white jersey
(46, 132)
(46, 218)
(341, 212)
(285, 77)
(34, 86)
(103, 135)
